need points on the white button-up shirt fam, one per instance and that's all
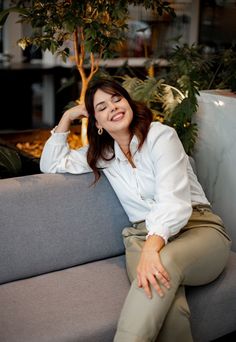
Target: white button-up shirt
(161, 189)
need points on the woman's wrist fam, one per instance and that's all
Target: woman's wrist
(154, 242)
(69, 116)
(64, 124)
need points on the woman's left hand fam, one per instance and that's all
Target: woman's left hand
(150, 270)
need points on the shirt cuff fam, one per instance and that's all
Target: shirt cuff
(157, 229)
(59, 137)
(164, 237)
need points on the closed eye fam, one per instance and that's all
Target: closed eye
(116, 98)
(101, 107)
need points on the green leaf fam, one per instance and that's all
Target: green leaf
(188, 137)
(53, 47)
(69, 26)
(5, 13)
(148, 90)
(170, 99)
(131, 84)
(3, 18)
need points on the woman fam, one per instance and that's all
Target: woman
(175, 239)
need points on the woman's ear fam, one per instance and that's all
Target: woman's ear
(97, 125)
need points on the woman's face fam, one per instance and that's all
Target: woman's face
(112, 112)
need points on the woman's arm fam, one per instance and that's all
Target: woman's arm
(69, 116)
(172, 207)
(57, 156)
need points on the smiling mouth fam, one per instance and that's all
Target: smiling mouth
(117, 116)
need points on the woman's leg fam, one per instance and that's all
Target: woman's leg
(176, 326)
(179, 311)
(197, 256)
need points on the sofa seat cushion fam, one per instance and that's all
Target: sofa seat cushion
(213, 306)
(82, 304)
(78, 304)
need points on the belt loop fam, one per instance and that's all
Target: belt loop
(201, 208)
(135, 224)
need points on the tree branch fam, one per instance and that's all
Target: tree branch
(76, 48)
(82, 46)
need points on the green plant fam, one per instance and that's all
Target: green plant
(10, 163)
(224, 73)
(168, 104)
(188, 72)
(94, 27)
(173, 98)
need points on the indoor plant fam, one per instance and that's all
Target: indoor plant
(172, 96)
(95, 28)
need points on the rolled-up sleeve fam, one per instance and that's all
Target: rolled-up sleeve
(172, 200)
(57, 157)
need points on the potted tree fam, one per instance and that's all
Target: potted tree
(95, 28)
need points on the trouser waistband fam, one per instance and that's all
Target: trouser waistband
(199, 207)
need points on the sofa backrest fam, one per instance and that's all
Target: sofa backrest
(51, 222)
(215, 154)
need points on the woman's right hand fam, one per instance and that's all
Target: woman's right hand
(77, 112)
(150, 270)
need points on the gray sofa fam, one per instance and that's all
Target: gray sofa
(62, 269)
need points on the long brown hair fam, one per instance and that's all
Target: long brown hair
(102, 146)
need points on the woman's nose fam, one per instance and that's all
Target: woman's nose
(112, 106)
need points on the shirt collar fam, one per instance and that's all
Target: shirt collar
(133, 149)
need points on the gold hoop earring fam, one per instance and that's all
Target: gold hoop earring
(100, 131)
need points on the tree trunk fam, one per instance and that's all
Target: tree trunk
(79, 58)
(84, 124)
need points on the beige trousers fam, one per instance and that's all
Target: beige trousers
(195, 256)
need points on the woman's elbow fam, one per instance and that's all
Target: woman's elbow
(47, 168)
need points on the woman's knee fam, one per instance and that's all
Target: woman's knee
(169, 257)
